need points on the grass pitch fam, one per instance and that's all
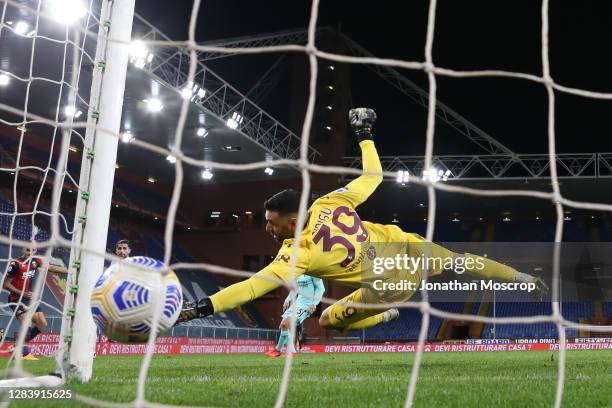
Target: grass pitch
(482, 379)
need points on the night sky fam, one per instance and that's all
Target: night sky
(469, 35)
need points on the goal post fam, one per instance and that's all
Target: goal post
(78, 333)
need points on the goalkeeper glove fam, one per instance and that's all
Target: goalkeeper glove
(541, 288)
(196, 310)
(362, 120)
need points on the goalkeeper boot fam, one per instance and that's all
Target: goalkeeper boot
(390, 315)
(195, 310)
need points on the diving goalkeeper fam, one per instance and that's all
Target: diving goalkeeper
(336, 245)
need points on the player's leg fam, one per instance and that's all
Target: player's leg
(283, 338)
(299, 331)
(286, 335)
(344, 316)
(26, 353)
(40, 324)
(284, 332)
(384, 317)
(365, 322)
(20, 314)
(40, 320)
(302, 314)
(475, 265)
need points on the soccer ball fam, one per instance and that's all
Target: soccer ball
(123, 300)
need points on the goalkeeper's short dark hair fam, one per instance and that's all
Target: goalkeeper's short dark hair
(285, 202)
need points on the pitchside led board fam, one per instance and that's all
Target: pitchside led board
(394, 272)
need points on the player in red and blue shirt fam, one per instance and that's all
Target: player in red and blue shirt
(19, 276)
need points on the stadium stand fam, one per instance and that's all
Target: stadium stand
(197, 282)
(407, 327)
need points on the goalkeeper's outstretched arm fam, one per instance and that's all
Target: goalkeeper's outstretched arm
(267, 279)
(363, 186)
(357, 191)
(246, 291)
(233, 296)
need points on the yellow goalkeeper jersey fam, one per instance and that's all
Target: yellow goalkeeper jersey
(335, 244)
(331, 243)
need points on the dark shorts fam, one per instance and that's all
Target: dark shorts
(20, 309)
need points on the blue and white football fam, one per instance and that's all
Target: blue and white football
(124, 299)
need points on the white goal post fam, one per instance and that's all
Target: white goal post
(78, 334)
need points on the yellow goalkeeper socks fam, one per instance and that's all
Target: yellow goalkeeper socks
(489, 269)
(365, 323)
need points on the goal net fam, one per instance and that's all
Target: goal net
(61, 95)
(62, 59)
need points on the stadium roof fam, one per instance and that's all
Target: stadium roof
(221, 144)
(468, 36)
(223, 125)
(410, 202)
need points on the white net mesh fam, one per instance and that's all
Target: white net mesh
(41, 61)
(72, 86)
